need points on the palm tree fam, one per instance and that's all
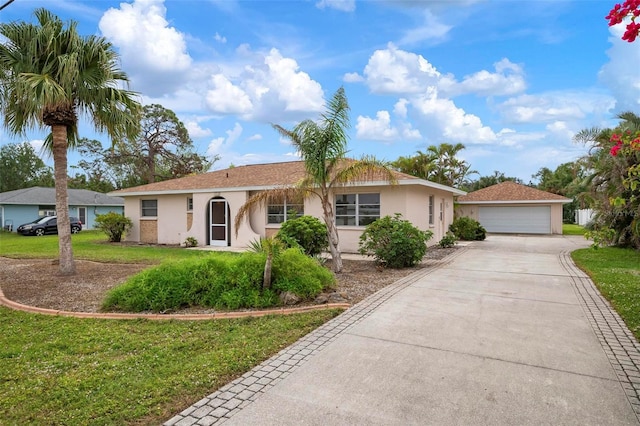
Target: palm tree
(48, 76)
(323, 147)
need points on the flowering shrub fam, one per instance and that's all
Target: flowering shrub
(628, 144)
(620, 11)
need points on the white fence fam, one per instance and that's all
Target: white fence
(584, 216)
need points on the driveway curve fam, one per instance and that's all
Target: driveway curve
(505, 332)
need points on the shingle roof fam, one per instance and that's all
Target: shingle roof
(41, 195)
(510, 191)
(256, 176)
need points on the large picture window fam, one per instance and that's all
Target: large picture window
(357, 209)
(280, 212)
(149, 208)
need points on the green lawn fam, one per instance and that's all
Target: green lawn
(56, 370)
(69, 371)
(572, 229)
(89, 245)
(616, 273)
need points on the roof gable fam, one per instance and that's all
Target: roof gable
(41, 195)
(510, 191)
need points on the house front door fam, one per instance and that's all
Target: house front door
(82, 215)
(219, 226)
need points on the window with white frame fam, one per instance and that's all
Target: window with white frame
(281, 212)
(357, 209)
(432, 201)
(149, 208)
(189, 204)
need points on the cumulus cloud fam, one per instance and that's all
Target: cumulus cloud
(555, 106)
(380, 128)
(450, 121)
(395, 71)
(155, 52)
(194, 129)
(222, 144)
(508, 79)
(620, 74)
(271, 89)
(220, 39)
(352, 77)
(430, 29)
(255, 137)
(342, 5)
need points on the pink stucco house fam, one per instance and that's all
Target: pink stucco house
(204, 206)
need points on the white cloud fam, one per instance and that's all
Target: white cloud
(342, 5)
(352, 77)
(270, 89)
(155, 52)
(38, 145)
(220, 39)
(622, 74)
(430, 29)
(220, 145)
(400, 108)
(194, 129)
(507, 80)
(378, 128)
(255, 137)
(555, 106)
(225, 98)
(442, 117)
(395, 71)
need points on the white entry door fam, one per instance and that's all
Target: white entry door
(219, 229)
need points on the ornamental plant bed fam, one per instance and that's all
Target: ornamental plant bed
(37, 282)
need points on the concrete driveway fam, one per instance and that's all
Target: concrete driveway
(500, 334)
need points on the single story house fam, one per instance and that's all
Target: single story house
(204, 206)
(509, 207)
(24, 205)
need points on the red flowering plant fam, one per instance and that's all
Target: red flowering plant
(627, 144)
(630, 8)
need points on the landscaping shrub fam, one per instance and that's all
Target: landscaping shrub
(468, 229)
(295, 272)
(448, 240)
(221, 282)
(394, 242)
(308, 231)
(114, 225)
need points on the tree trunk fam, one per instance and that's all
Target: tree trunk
(332, 233)
(266, 279)
(67, 265)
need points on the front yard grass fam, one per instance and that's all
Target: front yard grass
(57, 370)
(616, 273)
(572, 229)
(90, 245)
(70, 371)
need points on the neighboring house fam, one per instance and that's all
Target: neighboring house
(204, 206)
(24, 205)
(509, 207)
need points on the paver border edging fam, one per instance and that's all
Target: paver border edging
(618, 343)
(4, 301)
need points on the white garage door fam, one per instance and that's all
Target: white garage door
(516, 220)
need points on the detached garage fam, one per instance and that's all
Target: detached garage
(511, 208)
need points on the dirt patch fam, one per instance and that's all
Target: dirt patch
(37, 282)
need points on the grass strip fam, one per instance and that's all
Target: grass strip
(616, 273)
(71, 371)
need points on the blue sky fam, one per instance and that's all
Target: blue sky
(511, 80)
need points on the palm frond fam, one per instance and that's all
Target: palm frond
(367, 169)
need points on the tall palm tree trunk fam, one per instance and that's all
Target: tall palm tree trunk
(332, 232)
(59, 133)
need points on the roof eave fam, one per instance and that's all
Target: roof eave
(565, 201)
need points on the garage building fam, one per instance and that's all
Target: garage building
(511, 208)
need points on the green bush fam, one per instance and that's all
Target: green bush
(448, 240)
(394, 242)
(468, 229)
(114, 225)
(221, 282)
(308, 232)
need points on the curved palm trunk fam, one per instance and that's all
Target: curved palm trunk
(332, 232)
(67, 265)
